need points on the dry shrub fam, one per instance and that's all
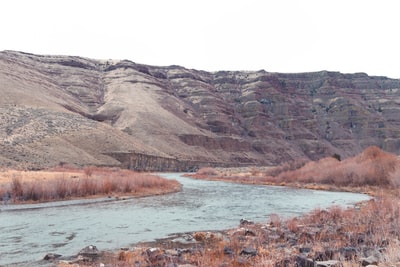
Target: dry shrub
(3, 193)
(374, 223)
(101, 181)
(285, 167)
(254, 171)
(73, 187)
(311, 172)
(61, 188)
(219, 252)
(372, 167)
(334, 233)
(128, 258)
(395, 176)
(214, 256)
(275, 220)
(16, 188)
(127, 187)
(293, 224)
(34, 192)
(88, 186)
(108, 186)
(207, 171)
(381, 164)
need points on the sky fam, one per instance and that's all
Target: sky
(275, 35)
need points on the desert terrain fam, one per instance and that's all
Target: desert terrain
(81, 111)
(111, 122)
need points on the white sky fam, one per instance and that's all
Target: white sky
(278, 36)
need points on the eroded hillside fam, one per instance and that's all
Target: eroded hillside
(58, 109)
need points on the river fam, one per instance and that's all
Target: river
(29, 232)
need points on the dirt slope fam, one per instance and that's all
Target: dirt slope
(118, 113)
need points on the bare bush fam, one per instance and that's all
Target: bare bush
(293, 225)
(32, 192)
(207, 171)
(275, 220)
(395, 176)
(61, 188)
(285, 167)
(108, 186)
(16, 188)
(88, 187)
(101, 181)
(372, 167)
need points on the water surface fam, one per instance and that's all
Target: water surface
(29, 232)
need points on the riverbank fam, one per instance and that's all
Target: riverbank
(59, 184)
(253, 176)
(370, 172)
(325, 237)
(30, 234)
(367, 234)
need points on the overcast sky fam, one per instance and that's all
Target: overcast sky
(277, 36)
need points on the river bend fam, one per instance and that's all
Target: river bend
(29, 232)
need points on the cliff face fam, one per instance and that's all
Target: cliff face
(70, 109)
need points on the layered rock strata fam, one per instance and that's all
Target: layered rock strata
(96, 112)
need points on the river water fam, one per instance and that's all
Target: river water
(29, 232)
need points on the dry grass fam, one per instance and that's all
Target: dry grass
(208, 171)
(62, 184)
(371, 169)
(345, 235)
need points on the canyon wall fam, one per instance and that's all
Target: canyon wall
(65, 109)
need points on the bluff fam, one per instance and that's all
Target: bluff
(66, 109)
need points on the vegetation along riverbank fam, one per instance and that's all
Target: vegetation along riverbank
(71, 183)
(367, 234)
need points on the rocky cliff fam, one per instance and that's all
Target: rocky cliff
(82, 111)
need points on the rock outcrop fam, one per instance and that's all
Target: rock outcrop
(97, 112)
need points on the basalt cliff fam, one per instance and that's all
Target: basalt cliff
(66, 109)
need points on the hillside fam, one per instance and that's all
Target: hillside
(65, 109)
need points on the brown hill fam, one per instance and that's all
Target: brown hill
(57, 109)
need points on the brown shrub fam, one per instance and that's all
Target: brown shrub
(293, 225)
(395, 176)
(73, 187)
(61, 188)
(372, 167)
(87, 187)
(108, 186)
(333, 233)
(336, 213)
(275, 220)
(3, 193)
(286, 167)
(102, 181)
(16, 188)
(207, 171)
(32, 192)
(127, 187)
(254, 171)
